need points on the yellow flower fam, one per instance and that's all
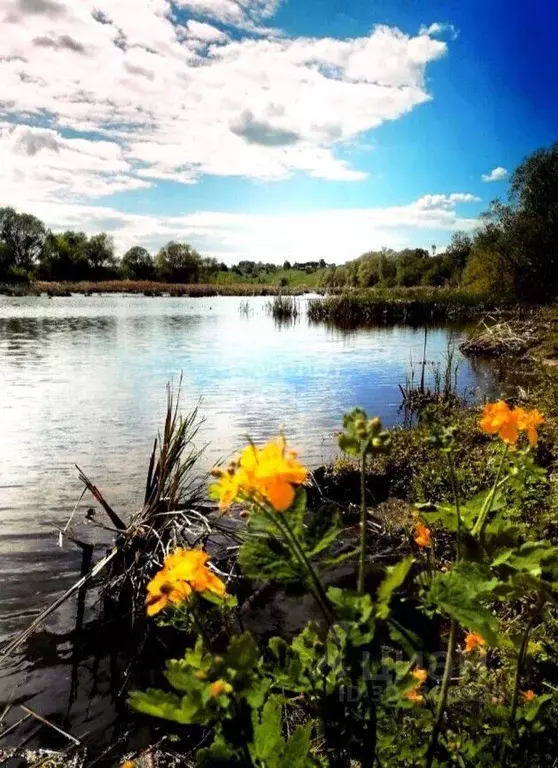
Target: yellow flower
(128, 764)
(189, 565)
(422, 535)
(219, 687)
(414, 694)
(499, 419)
(420, 675)
(472, 641)
(529, 696)
(183, 571)
(528, 421)
(268, 473)
(164, 589)
(227, 488)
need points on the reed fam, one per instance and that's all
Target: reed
(284, 308)
(414, 306)
(442, 386)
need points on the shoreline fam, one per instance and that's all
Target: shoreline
(149, 288)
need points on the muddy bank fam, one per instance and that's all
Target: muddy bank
(532, 335)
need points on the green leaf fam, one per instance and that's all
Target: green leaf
(218, 754)
(265, 557)
(323, 529)
(530, 710)
(410, 641)
(242, 654)
(267, 729)
(257, 693)
(349, 444)
(165, 705)
(297, 749)
(457, 594)
(472, 508)
(181, 676)
(297, 512)
(395, 576)
(532, 557)
(353, 607)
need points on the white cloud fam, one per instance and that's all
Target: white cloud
(176, 98)
(244, 14)
(496, 174)
(336, 235)
(205, 32)
(440, 28)
(41, 164)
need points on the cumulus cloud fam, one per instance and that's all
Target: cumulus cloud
(180, 98)
(261, 132)
(245, 14)
(496, 174)
(64, 41)
(336, 234)
(99, 97)
(39, 164)
(204, 32)
(440, 28)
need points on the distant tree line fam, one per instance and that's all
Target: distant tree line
(28, 250)
(263, 269)
(410, 267)
(514, 251)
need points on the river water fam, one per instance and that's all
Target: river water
(82, 381)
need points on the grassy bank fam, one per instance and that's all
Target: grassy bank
(150, 288)
(411, 470)
(400, 305)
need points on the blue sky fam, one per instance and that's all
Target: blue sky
(262, 129)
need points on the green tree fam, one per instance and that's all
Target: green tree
(209, 268)
(327, 280)
(522, 235)
(488, 270)
(99, 252)
(63, 257)
(137, 264)
(369, 270)
(22, 238)
(459, 249)
(410, 265)
(178, 263)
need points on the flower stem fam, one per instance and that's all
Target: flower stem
(318, 589)
(519, 669)
(479, 526)
(363, 524)
(198, 623)
(443, 697)
(455, 492)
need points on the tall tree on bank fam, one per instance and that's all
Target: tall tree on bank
(517, 246)
(99, 252)
(63, 257)
(178, 263)
(22, 237)
(137, 264)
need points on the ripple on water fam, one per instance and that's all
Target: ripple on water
(82, 381)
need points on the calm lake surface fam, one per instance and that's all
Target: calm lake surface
(82, 381)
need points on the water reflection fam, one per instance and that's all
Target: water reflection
(82, 381)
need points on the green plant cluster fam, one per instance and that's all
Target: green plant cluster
(439, 662)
